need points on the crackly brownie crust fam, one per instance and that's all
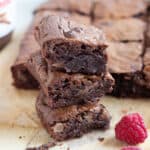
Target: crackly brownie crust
(72, 47)
(123, 30)
(73, 121)
(64, 89)
(119, 8)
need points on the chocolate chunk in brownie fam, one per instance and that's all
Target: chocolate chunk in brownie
(119, 8)
(79, 6)
(73, 121)
(72, 47)
(129, 29)
(64, 89)
(22, 77)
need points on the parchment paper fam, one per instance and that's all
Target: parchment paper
(19, 124)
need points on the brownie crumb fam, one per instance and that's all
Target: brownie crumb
(101, 139)
(44, 146)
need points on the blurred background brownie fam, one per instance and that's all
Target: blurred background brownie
(72, 121)
(118, 8)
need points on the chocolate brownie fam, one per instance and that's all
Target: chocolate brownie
(125, 64)
(64, 89)
(22, 77)
(73, 121)
(72, 47)
(78, 6)
(119, 8)
(128, 29)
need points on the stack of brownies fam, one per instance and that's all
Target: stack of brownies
(72, 72)
(69, 62)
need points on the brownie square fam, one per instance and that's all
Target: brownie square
(125, 64)
(72, 121)
(64, 89)
(119, 8)
(123, 30)
(72, 47)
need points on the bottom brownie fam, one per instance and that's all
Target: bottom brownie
(72, 121)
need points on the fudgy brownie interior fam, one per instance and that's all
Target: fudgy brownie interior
(76, 57)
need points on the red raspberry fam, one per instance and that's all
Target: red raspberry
(130, 148)
(131, 129)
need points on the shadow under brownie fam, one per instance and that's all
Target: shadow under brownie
(64, 89)
(72, 121)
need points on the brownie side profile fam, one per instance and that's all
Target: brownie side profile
(73, 121)
(78, 6)
(72, 47)
(22, 78)
(119, 8)
(64, 89)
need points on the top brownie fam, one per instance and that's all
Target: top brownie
(72, 47)
(119, 8)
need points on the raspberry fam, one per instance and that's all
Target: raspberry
(131, 129)
(130, 148)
